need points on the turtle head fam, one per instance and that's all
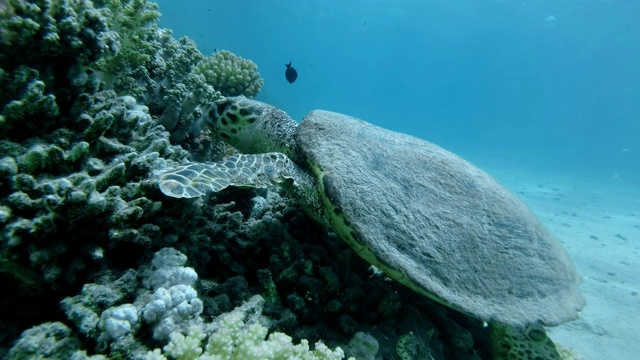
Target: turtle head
(252, 126)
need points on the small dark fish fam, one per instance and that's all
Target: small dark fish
(291, 74)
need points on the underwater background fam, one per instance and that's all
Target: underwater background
(548, 85)
(99, 98)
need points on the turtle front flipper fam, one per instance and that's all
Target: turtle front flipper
(249, 171)
(530, 343)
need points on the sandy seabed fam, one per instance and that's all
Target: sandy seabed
(598, 221)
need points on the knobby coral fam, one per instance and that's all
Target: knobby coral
(231, 74)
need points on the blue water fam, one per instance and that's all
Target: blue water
(549, 85)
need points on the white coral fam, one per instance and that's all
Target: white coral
(169, 270)
(235, 340)
(174, 304)
(169, 308)
(119, 321)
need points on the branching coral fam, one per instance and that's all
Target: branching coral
(42, 42)
(133, 23)
(155, 68)
(236, 340)
(53, 33)
(31, 101)
(71, 194)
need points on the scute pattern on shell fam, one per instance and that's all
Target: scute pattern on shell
(446, 225)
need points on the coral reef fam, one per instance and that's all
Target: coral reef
(53, 35)
(71, 193)
(170, 76)
(155, 68)
(174, 302)
(41, 44)
(235, 339)
(52, 340)
(76, 160)
(238, 334)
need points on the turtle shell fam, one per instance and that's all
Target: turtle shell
(438, 224)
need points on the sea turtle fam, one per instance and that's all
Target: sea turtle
(426, 217)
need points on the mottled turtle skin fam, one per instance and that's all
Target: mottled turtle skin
(426, 217)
